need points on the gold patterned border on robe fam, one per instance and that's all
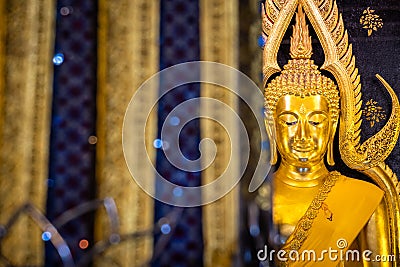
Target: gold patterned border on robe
(127, 56)
(219, 43)
(26, 71)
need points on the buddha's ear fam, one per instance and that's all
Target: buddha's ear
(329, 155)
(271, 132)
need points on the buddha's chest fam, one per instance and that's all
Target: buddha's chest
(289, 205)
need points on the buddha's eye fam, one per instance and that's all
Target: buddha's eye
(314, 123)
(288, 119)
(291, 123)
(316, 119)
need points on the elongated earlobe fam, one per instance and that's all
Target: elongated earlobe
(270, 127)
(274, 154)
(329, 154)
(329, 157)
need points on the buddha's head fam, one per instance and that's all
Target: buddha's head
(302, 106)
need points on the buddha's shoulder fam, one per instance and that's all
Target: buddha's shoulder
(356, 187)
(354, 200)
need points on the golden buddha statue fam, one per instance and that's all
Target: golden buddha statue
(313, 208)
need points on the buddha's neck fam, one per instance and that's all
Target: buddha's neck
(299, 176)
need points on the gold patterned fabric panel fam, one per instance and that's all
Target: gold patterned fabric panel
(27, 39)
(128, 54)
(219, 43)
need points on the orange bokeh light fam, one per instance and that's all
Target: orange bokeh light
(83, 244)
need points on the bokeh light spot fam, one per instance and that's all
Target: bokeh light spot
(92, 140)
(165, 228)
(158, 143)
(83, 244)
(46, 236)
(174, 121)
(178, 192)
(58, 59)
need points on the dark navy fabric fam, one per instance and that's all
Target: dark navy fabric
(72, 157)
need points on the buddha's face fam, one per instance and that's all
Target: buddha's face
(303, 129)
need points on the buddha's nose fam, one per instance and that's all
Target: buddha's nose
(302, 133)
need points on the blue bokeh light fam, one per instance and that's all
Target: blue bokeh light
(178, 192)
(46, 236)
(254, 230)
(158, 143)
(247, 256)
(174, 121)
(58, 59)
(165, 228)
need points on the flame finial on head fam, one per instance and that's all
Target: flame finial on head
(300, 42)
(300, 76)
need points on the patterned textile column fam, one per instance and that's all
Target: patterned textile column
(219, 43)
(179, 42)
(72, 151)
(25, 95)
(128, 55)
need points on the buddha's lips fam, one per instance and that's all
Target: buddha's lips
(307, 147)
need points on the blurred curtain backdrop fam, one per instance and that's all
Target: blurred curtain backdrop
(219, 43)
(128, 55)
(71, 180)
(179, 42)
(68, 70)
(26, 50)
